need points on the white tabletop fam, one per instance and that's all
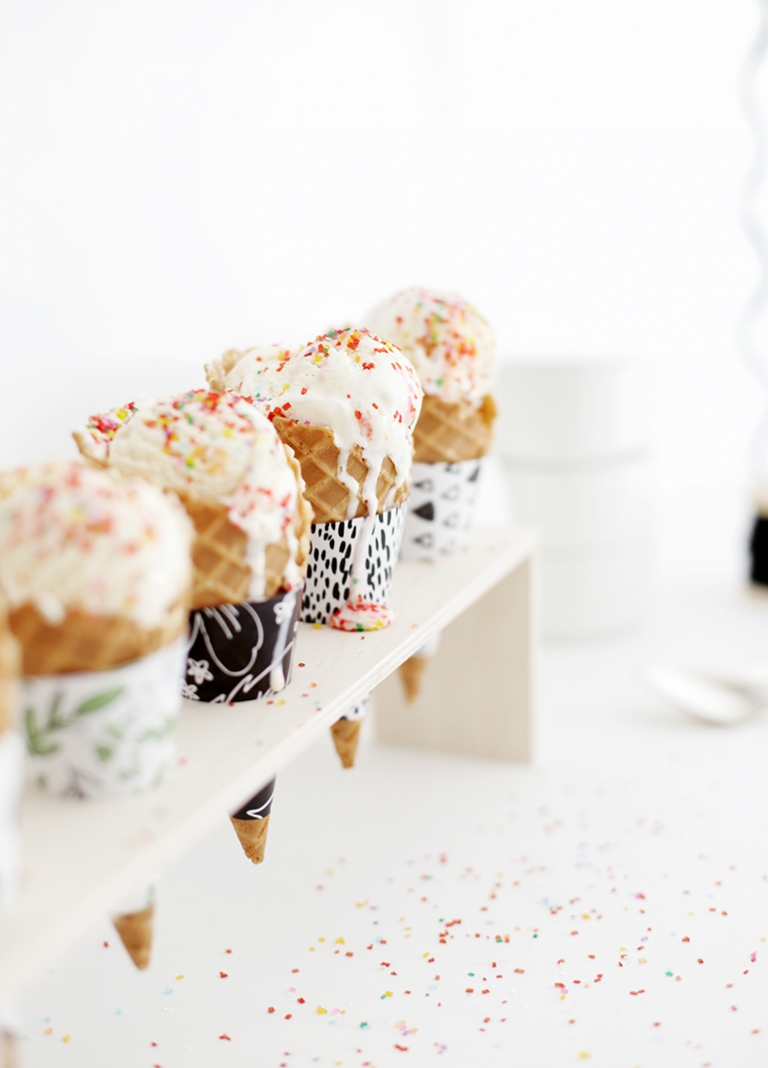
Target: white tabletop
(607, 904)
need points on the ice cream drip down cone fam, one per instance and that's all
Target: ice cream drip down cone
(243, 490)
(346, 403)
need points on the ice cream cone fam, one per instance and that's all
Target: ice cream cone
(135, 930)
(453, 432)
(252, 835)
(318, 456)
(346, 734)
(412, 674)
(83, 642)
(239, 484)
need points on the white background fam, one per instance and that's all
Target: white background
(181, 177)
(178, 178)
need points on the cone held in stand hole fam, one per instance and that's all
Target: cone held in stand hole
(98, 576)
(135, 923)
(346, 403)
(452, 348)
(242, 489)
(251, 823)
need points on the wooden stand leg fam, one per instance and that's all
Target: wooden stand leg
(477, 692)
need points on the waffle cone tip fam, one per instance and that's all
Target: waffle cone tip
(412, 674)
(252, 835)
(346, 734)
(135, 930)
(9, 1048)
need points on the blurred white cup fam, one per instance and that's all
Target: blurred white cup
(573, 440)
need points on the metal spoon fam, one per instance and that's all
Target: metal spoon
(724, 701)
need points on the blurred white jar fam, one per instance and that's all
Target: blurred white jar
(573, 440)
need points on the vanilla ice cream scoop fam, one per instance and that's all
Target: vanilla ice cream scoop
(76, 538)
(350, 381)
(446, 339)
(214, 448)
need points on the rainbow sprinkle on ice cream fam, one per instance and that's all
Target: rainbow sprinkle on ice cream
(351, 381)
(446, 339)
(211, 447)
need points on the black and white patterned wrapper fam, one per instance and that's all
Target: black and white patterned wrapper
(368, 546)
(104, 733)
(440, 509)
(349, 559)
(238, 652)
(259, 806)
(11, 777)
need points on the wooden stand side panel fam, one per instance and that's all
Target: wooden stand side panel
(477, 692)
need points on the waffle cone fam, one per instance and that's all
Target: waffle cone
(346, 734)
(82, 642)
(411, 675)
(451, 433)
(222, 574)
(217, 370)
(135, 930)
(318, 456)
(252, 835)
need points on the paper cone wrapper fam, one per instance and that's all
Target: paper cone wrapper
(11, 780)
(238, 652)
(105, 733)
(369, 545)
(440, 509)
(136, 930)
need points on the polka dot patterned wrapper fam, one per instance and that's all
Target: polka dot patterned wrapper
(329, 585)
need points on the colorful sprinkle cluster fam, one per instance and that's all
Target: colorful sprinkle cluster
(447, 340)
(214, 447)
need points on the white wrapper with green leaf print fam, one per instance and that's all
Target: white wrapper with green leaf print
(105, 733)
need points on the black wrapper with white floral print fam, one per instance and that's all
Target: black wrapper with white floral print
(238, 652)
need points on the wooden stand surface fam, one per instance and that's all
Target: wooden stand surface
(80, 858)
